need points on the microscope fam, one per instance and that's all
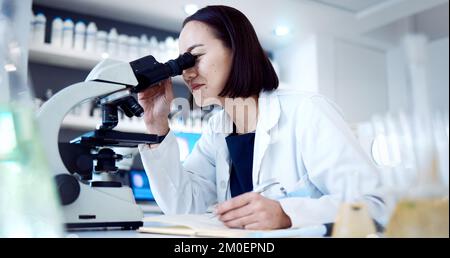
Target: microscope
(88, 199)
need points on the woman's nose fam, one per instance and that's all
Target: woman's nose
(189, 74)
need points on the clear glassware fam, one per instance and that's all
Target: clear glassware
(417, 195)
(29, 206)
(413, 156)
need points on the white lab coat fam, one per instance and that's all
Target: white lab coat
(300, 140)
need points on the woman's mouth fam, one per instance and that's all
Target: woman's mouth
(196, 86)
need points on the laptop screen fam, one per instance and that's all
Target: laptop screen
(140, 185)
(139, 182)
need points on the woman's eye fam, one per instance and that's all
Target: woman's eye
(198, 58)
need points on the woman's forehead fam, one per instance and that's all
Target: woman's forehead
(195, 33)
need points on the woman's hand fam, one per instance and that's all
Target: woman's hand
(253, 211)
(156, 104)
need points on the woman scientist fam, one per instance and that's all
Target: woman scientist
(297, 140)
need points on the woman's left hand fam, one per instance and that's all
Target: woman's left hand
(253, 211)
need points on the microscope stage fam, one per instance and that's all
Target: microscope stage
(113, 138)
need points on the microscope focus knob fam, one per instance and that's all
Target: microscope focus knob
(68, 188)
(85, 165)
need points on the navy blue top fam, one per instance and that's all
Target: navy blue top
(240, 148)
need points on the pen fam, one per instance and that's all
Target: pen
(265, 186)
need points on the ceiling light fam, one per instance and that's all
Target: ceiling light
(281, 31)
(190, 9)
(10, 67)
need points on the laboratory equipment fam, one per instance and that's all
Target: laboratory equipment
(91, 36)
(39, 29)
(28, 201)
(80, 36)
(67, 35)
(112, 42)
(89, 198)
(143, 46)
(122, 47)
(154, 47)
(101, 43)
(133, 47)
(415, 161)
(57, 32)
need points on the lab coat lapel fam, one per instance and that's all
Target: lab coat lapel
(269, 114)
(222, 173)
(223, 128)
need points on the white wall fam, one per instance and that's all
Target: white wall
(361, 80)
(326, 65)
(437, 77)
(353, 75)
(398, 87)
(438, 74)
(298, 65)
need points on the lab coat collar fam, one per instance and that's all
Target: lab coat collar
(269, 110)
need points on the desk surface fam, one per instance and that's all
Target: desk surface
(149, 209)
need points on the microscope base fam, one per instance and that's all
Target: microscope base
(132, 225)
(103, 207)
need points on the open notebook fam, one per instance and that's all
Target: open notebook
(191, 225)
(204, 225)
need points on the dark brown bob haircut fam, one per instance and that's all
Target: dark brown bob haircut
(251, 70)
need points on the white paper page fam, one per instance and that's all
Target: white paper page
(195, 221)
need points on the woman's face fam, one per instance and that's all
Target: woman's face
(209, 75)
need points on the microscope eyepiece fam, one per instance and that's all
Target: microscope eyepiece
(148, 71)
(183, 62)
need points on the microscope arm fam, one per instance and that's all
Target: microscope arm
(52, 113)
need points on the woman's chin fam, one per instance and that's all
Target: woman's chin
(204, 101)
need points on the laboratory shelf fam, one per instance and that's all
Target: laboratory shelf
(69, 58)
(48, 54)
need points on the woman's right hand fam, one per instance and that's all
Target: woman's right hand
(156, 104)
